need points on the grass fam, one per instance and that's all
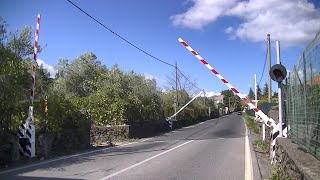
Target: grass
(250, 123)
(275, 171)
(275, 174)
(261, 145)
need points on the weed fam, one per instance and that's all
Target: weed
(250, 123)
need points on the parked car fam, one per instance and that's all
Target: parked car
(239, 113)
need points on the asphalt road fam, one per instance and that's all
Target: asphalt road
(214, 149)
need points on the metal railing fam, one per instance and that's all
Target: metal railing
(303, 99)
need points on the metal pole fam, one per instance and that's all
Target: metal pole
(279, 93)
(176, 98)
(269, 67)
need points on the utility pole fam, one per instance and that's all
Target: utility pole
(269, 67)
(176, 98)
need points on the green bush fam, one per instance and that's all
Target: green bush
(62, 114)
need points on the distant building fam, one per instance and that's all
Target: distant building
(314, 81)
(217, 99)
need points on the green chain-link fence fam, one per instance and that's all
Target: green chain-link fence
(303, 99)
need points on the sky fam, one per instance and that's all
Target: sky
(229, 34)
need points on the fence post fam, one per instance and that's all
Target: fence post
(305, 100)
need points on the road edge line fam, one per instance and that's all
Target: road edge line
(248, 159)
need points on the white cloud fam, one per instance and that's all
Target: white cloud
(293, 22)
(210, 94)
(202, 13)
(50, 68)
(160, 82)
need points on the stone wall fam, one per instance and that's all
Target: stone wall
(72, 140)
(152, 128)
(147, 129)
(9, 147)
(294, 163)
(64, 141)
(108, 134)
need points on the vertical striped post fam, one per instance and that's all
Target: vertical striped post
(34, 64)
(275, 135)
(34, 67)
(26, 131)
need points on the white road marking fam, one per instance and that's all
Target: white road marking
(248, 175)
(201, 123)
(144, 161)
(146, 139)
(66, 157)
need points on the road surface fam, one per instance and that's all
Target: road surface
(214, 149)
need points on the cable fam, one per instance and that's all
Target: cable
(119, 35)
(264, 66)
(189, 80)
(133, 45)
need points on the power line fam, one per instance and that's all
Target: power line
(133, 45)
(264, 66)
(188, 80)
(130, 43)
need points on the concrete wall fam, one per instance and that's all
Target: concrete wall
(294, 163)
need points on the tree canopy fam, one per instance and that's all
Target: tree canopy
(83, 92)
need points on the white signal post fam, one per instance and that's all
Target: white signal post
(279, 92)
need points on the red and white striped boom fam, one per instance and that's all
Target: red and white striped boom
(245, 99)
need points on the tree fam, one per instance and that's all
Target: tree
(227, 97)
(259, 93)
(3, 32)
(184, 82)
(79, 78)
(19, 42)
(265, 91)
(61, 68)
(251, 94)
(15, 79)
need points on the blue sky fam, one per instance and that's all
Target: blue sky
(230, 35)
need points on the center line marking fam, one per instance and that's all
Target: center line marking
(144, 161)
